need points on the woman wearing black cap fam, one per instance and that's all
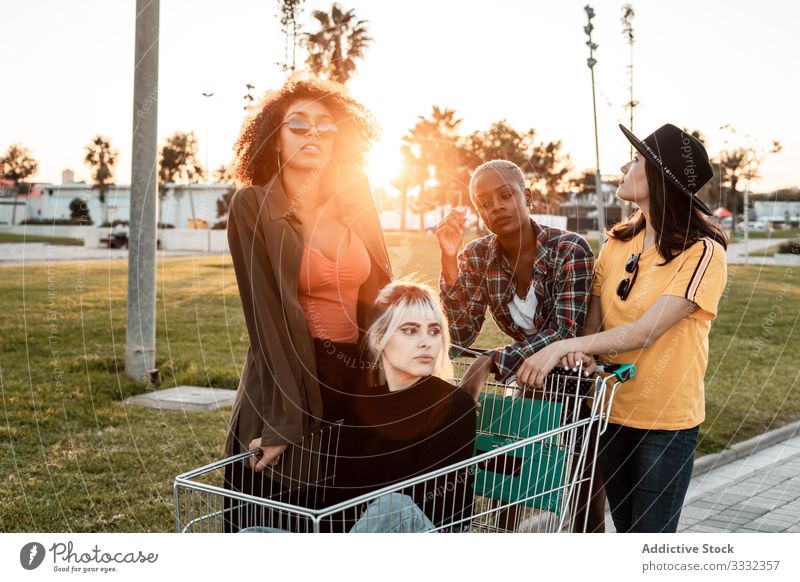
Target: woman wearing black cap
(657, 284)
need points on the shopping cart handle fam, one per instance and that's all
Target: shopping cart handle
(623, 372)
(458, 352)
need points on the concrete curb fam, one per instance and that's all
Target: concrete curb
(746, 448)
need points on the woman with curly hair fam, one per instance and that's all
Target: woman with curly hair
(309, 256)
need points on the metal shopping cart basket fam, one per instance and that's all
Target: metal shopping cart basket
(531, 449)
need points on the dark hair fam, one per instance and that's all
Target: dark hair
(678, 223)
(256, 158)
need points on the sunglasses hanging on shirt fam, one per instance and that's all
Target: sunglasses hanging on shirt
(632, 268)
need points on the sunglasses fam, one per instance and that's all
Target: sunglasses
(632, 268)
(299, 126)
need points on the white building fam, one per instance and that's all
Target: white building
(175, 206)
(775, 211)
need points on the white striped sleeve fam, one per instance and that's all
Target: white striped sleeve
(702, 277)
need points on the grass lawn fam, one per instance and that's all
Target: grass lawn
(775, 233)
(765, 252)
(73, 458)
(8, 237)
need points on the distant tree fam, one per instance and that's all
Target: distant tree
(18, 165)
(549, 169)
(224, 202)
(289, 13)
(178, 160)
(341, 41)
(737, 164)
(101, 159)
(179, 164)
(222, 175)
(79, 211)
(411, 174)
(546, 166)
(499, 142)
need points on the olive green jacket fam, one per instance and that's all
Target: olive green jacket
(278, 397)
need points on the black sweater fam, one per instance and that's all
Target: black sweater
(391, 436)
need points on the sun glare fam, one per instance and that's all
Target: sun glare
(383, 164)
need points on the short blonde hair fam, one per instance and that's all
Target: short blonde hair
(400, 301)
(506, 167)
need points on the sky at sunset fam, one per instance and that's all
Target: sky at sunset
(68, 73)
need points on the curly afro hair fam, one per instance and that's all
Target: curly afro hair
(256, 159)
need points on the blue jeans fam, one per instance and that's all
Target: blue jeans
(646, 474)
(390, 513)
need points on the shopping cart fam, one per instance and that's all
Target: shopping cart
(531, 451)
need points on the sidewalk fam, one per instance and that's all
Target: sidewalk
(760, 493)
(41, 253)
(736, 251)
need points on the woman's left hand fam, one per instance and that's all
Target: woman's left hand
(534, 369)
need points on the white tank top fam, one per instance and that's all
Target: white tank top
(523, 310)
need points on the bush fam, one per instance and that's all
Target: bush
(58, 221)
(119, 222)
(115, 223)
(79, 210)
(791, 247)
(220, 225)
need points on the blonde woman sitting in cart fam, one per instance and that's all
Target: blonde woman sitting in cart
(414, 422)
(410, 424)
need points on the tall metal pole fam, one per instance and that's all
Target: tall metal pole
(140, 339)
(627, 31)
(591, 62)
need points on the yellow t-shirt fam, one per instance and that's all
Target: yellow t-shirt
(667, 392)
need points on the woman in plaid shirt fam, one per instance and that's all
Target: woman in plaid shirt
(535, 280)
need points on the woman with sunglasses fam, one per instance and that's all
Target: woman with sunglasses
(310, 258)
(657, 284)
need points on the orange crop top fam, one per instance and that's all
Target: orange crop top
(328, 290)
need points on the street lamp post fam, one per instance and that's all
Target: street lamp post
(591, 62)
(208, 95)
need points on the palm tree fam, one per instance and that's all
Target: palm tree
(411, 174)
(101, 159)
(179, 163)
(17, 165)
(341, 41)
(435, 142)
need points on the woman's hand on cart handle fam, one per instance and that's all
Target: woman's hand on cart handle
(534, 369)
(269, 455)
(575, 359)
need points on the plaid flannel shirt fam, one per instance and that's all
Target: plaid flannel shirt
(561, 278)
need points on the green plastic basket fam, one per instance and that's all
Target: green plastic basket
(533, 473)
